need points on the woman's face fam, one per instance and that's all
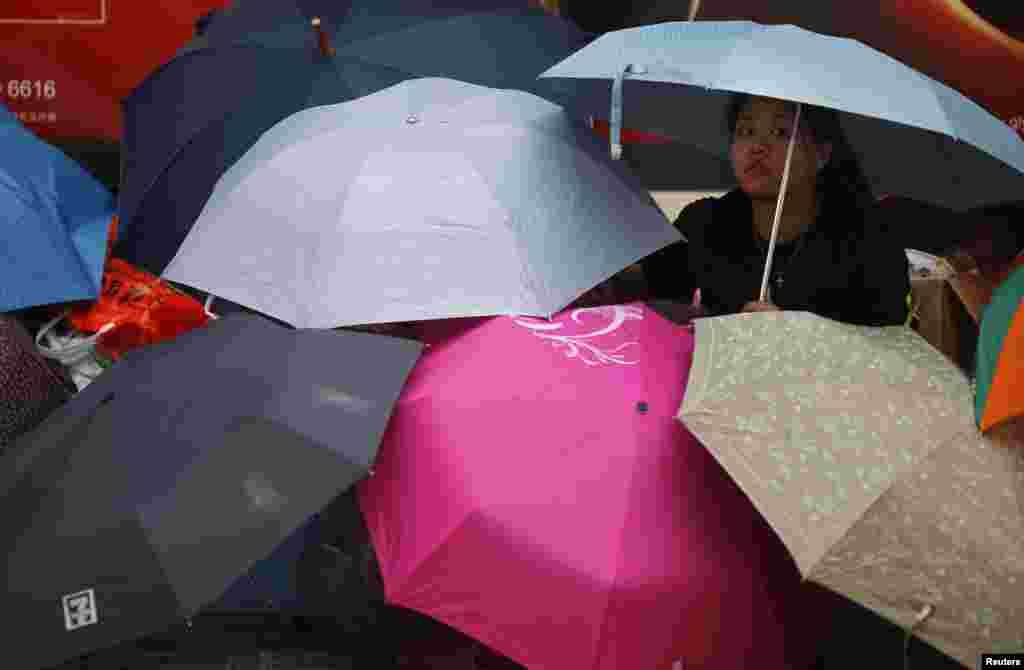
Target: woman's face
(759, 146)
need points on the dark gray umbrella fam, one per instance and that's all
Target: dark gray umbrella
(143, 498)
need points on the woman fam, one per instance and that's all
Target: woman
(829, 258)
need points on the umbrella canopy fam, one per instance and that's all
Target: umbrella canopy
(504, 48)
(857, 444)
(143, 498)
(1000, 359)
(210, 105)
(54, 222)
(344, 21)
(431, 199)
(915, 137)
(534, 492)
(500, 40)
(258, 62)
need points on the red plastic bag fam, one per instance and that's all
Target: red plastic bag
(141, 307)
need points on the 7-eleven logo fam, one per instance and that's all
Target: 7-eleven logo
(80, 609)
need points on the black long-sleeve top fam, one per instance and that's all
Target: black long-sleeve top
(844, 267)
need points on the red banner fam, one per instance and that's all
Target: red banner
(67, 64)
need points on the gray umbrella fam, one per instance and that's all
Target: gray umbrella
(430, 199)
(143, 498)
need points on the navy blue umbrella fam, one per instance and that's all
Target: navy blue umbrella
(345, 20)
(251, 66)
(198, 114)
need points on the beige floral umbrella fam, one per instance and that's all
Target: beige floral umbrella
(858, 446)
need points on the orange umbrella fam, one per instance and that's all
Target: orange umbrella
(1000, 361)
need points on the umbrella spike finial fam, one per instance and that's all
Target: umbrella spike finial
(326, 49)
(694, 8)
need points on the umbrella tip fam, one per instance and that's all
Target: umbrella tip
(326, 49)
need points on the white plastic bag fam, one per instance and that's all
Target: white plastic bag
(75, 351)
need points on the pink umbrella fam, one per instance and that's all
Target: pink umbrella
(535, 492)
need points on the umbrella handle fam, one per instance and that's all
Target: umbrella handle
(326, 50)
(778, 206)
(207, 305)
(615, 118)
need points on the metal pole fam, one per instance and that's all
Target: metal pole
(694, 8)
(778, 206)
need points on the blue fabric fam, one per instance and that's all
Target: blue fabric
(54, 222)
(258, 62)
(915, 136)
(271, 583)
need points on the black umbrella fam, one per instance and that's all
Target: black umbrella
(142, 499)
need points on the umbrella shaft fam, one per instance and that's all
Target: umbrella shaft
(778, 206)
(694, 8)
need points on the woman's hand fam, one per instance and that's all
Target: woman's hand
(759, 306)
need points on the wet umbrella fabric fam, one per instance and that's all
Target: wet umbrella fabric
(1000, 360)
(534, 491)
(54, 222)
(142, 499)
(914, 136)
(343, 21)
(211, 104)
(498, 43)
(258, 62)
(858, 446)
(431, 199)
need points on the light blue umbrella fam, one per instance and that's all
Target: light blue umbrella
(430, 199)
(915, 136)
(54, 222)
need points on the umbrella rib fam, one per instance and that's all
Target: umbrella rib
(174, 156)
(66, 240)
(84, 268)
(182, 146)
(633, 484)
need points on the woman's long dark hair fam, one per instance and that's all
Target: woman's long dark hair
(842, 178)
